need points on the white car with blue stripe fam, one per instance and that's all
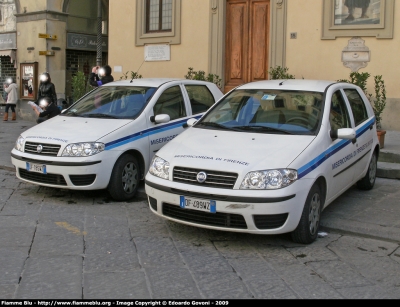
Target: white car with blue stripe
(267, 158)
(106, 140)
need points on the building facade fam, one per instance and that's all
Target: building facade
(57, 36)
(238, 40)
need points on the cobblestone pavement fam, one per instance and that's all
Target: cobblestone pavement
(60, 244)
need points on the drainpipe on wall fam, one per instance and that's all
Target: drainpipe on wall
(99, 32)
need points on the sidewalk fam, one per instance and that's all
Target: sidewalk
(373, 214)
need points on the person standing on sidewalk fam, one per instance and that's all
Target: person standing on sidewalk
(46, 89)
(100, 75)
(12, 97)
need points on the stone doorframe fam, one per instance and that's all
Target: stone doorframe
(277, 51)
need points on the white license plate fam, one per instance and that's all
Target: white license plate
(198, 204)
(37, 168)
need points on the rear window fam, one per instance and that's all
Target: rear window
(357, 106)
(200, 97)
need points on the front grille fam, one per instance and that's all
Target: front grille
(81, 180)
(218, 219)
(48, 149)
(215, 179)
(270, 221)
(55, 179)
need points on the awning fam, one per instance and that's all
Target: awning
(12, 54)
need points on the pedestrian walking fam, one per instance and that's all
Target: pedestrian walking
(12, 97)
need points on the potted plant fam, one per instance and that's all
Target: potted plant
(134, 75)
(279, 72)
(201, 75)
(379, 104)
(79, 85)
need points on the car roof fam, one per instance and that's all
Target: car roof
(289, 84)
(150, 82)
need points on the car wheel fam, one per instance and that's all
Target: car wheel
(367, 183)
(124, 179)
(307, 230)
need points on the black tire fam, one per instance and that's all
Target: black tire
(368, 182)
(124, 179)
(307, 230)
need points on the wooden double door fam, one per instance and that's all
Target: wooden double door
(246, 41)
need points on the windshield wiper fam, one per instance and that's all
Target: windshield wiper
(99, 115)
(262, 129)
(216, 125)
(71, 114)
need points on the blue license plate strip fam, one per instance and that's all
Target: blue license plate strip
(36, 168)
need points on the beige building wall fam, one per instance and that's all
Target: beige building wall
(192, 52)
(310, 57)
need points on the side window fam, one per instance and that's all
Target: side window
(200, 98)
(357, 106)
(339, 116)
(171, 102)
(158, 21)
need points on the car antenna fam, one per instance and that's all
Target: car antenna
(138, 69)
(282, 82)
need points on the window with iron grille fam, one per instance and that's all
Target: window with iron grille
(158, 15)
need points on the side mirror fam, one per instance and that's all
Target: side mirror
(160, 118)
(343, 133)
(191, 121)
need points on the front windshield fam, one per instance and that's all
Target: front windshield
(112, 102)
(266, 111)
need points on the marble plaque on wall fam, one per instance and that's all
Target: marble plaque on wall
(356, 55)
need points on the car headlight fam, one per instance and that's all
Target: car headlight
(82, 149)
(269, 179)
(159, 167)
(19, 144)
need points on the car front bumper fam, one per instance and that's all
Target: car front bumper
(247, 211)
(76, 173)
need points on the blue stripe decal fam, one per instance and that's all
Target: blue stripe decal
(313, 164)
(145, 133)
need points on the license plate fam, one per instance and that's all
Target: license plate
(198, 204)
(37, 168)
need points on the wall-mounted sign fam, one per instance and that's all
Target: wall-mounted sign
(157, 53)
(48, 36)
(8, 41)
(85, 42)
(47, 52)
(356, 55)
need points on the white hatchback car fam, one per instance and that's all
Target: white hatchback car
(109, 136)
(267, 158)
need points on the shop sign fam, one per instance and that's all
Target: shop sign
(85, 42)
